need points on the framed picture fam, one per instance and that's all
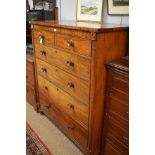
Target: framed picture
(118, 7)
(89, 10)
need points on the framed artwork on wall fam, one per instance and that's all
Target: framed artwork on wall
(89, 10)
(118, 7)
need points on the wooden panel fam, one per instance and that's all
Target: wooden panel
(77, 45)
(30, 95)
(71, 84)
(59, 98)
(71, 63)
(43, 37)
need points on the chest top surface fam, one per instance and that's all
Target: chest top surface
(86, 26)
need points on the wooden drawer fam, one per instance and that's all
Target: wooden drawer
(78, 111)
(117, 109)
(118, 135)
(71, 63)
(30, 95)
(120, 82)
(111, 149)
(75, 44)
(76, 132)
(71, 84)
(43, 37)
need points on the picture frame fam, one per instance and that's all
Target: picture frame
(89, 10)
(118, 7)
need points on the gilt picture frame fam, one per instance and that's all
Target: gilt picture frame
(89, 10)
(118, 7)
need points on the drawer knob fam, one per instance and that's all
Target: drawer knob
(71, 127)
(43, 53)
(70, 63)
(41, 39)
(45, 87)
(47, 106)
(71, 106)
(44, 70)
(70, 43)
(126, 140)
(70, 85)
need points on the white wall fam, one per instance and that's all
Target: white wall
(68, 12)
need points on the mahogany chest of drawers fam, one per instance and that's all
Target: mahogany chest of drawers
(116, 120)
(30, 80)
(69, 58)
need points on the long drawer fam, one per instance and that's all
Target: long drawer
(69, 62)
(75, 44)
(55, 96)
(75, 131)
(71, 84)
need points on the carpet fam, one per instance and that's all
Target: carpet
(34, 145)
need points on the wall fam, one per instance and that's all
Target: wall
(68, 12)
(67, 9)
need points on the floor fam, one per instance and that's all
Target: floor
(56, 141)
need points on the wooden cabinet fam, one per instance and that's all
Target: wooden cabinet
(116, 116)
(30, 80)
(70, 74)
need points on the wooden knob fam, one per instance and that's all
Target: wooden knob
(41, 39)
(47, 106)
(70, 85)
(126, 140)
(71, 106)
(43, 53)
(44, 70)
(70, 43)
(71, 127)
(45, 87)
(70, 63)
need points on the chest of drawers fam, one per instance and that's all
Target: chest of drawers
(69, 60)
(116, 120)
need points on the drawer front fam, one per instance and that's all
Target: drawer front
(72, 129)
(75, 44)
(30, 95)
(118, 135)
(120, 82)
(43, 37)
(71, 63)
(111, 149)
(118, 109)
(78, 111)
(71, 84)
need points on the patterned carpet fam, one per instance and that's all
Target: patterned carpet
(34, 145)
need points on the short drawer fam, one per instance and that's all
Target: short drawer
(76, 87)
(43, 37)
(120, 82)
(57, 97)
(71, 63)
(75, 44)
(30, 95)
(118, 135)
